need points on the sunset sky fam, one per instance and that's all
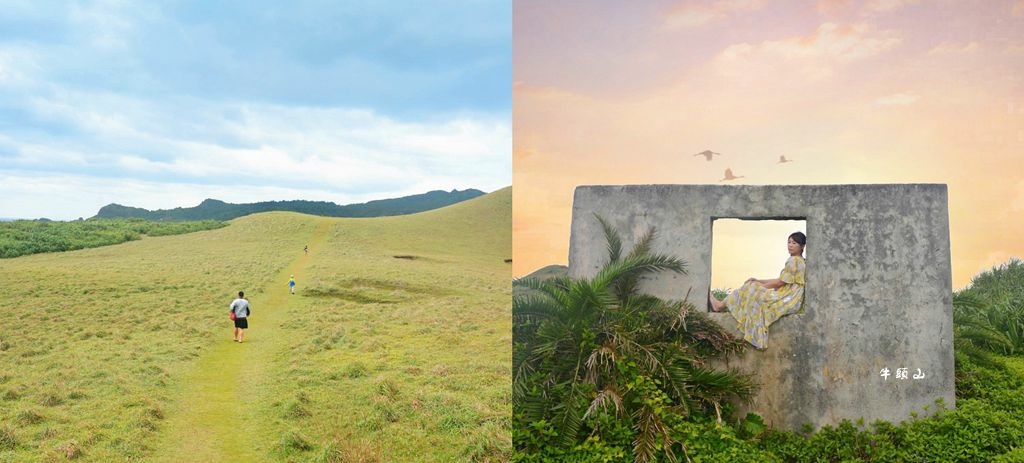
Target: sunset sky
(879, 91)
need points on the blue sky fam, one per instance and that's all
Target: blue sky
(161, 105)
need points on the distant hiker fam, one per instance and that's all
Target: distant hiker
(306, 249)
(291, 284)
(240, 308)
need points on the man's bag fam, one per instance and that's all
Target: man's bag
(232, 314)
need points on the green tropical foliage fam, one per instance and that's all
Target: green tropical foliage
(974, 335)
(1002, 291)
(987, 423)
(596, 362)
(24, 237)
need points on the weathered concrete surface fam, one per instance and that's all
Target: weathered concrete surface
(878, 288)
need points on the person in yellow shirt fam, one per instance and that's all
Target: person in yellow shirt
(758, 303)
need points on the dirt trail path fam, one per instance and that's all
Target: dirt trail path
(218, 416)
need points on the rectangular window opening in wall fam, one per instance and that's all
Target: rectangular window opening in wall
(750, 248)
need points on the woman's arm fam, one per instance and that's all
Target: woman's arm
(774, 283)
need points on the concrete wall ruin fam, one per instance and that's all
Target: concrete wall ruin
(878, 291)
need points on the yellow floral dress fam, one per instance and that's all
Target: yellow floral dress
(755, 307)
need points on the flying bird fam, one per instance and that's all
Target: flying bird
(729, 176)
(708, 154)
(783, 159)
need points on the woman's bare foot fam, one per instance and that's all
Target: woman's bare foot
(716, 305)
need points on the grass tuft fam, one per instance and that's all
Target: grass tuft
(296, 409)
(491, 442)
(356, 370)
(341, 450)
(51, 400)
(386, 411)
(8, 441)
(70, 450)
(294, 441)
(29, 417)
(387, 388)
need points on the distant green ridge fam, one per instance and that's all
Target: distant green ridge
(212, 209)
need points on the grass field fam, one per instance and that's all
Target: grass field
(125, 353)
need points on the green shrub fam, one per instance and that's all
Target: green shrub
(987, 424)
(597, 358)
(24, 237)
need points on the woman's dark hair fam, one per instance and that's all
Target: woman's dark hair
(800, 238)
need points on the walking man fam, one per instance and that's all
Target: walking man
(240, 307)
(291, 284)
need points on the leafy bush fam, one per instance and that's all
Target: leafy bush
(566, 330)
(600, 367)
(999, 303)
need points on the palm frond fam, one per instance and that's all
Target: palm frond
(714, 385)
(977, 356)
(576, 342)
(600, 360)
(613, 239)
(606, 397)
(531, 309)
(533, 408)
(984, 336)
(963, 300)
(636, 266)
(643, 245)
(568, 416)
(649, 430)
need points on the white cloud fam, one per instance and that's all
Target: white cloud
(18, 66)
(258, 148)
(105, 24)
(69, 196)
(687, 15)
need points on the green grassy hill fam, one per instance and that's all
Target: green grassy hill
(220, 210)
(125, 353)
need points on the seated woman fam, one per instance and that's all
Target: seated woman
(758, 303)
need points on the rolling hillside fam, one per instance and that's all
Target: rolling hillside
(396, 346)
(212, 209)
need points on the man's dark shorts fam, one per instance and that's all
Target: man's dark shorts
(242, 323)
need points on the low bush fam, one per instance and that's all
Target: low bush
(24, 237)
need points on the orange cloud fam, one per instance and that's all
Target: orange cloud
(888, 5)
(832, 6)
(816, 55)
(1018, 9)
(898, 99)
(950, 47)
(521, 154)
(688, 15)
